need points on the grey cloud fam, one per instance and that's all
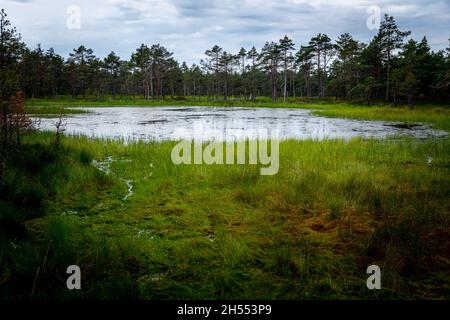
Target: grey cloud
(189, 27)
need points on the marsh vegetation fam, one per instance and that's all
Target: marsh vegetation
(225, 231)
(141, 227)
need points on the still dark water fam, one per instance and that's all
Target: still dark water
(226, 124)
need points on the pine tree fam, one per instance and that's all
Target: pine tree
(270, 58)
(225, 64)
(81, 62)
(323, 51)
(213, 65)
(391, 38)
(304, 61)
(253, 55)
(348, 51)
(141, 59)
(286, 45)
(112, 65)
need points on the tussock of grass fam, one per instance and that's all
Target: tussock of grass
(225, 232)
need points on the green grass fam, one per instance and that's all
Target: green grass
(168, 101)
(52, 111)
(439, 117)
(226, 232)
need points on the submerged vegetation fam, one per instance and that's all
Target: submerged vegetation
(438, 116)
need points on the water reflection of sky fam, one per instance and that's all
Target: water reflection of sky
(225, 124)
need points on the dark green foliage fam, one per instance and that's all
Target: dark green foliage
(225, 232)
(386, 70)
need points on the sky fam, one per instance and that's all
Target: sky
(189, 27)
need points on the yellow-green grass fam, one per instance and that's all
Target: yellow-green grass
(226, 232)
(439, 117)
(52, 111)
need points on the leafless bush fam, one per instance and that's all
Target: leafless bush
(60, 128)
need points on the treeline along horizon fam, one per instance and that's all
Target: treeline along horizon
(391, 68)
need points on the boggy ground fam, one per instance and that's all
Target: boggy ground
(225, 232)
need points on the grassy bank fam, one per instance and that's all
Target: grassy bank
(221, 232)
(438, 116)
(52, 110)
(168, 101)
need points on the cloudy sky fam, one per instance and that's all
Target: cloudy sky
(189, 27)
